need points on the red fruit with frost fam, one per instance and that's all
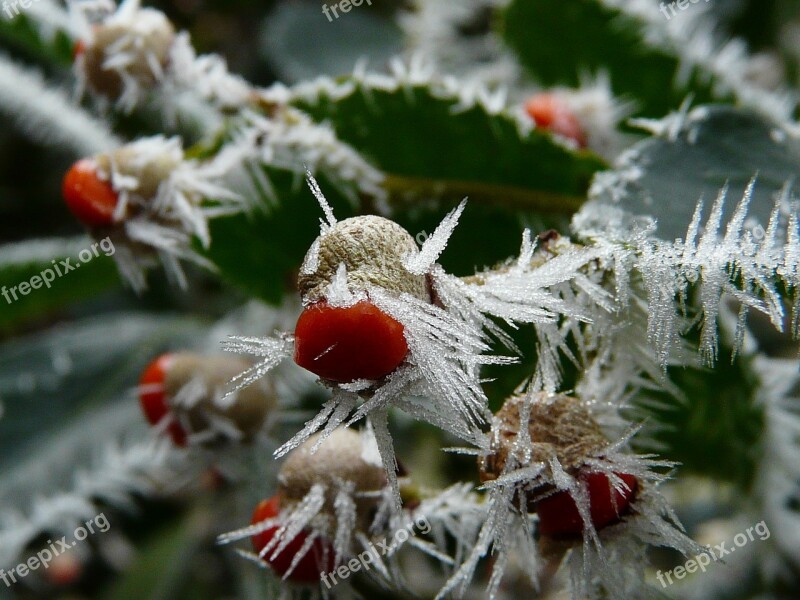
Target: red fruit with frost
(551, 113)
(343, 344)
(91, 199)
(318, 560)
(153, 398)
(559, 516)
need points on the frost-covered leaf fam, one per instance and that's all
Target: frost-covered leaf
(715, 429)
(261, 252)
(692, 156)
(650, 59)
(439, 137)
(48, 377)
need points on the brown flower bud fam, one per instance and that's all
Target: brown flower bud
(559, 426)
(340, 458)
(372, 249)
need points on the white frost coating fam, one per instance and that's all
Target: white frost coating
(47, 114)
(273, 351)
(290, 140)
(415, 72)
(330, 515)
(736, 261)
(432, 29)
(651, 522)
(118, 474)
(205, 77)
(778, 470)
(338, 292)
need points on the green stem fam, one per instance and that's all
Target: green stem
(401, 188)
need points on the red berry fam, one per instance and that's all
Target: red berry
(78, 49)
(558, 514)
(548, 112)
(345, 344)
(319, 559)
(91, 199)
(152, 396)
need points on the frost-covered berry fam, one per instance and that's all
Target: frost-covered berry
(552, 113)
(320, 558)
(559, 516)
(153, 398)
(93, 187)
(346, 343)
(89, 195)
(341, 335)
(559, 428)
(339, 460)
(126, 52)
(189, 389)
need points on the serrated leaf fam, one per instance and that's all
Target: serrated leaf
(430, 149)
(261, 251)
(717, 431)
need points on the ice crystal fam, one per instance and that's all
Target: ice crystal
(713, 261)
(530, 475)
(164, 224)
(47, 114)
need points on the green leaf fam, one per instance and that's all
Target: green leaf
(24, 33)
(27, 263)
(647, 61)
(430, 150)
(261, 252)
(55, 383)
(431, 142)
(717, 430)
(694, 157)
